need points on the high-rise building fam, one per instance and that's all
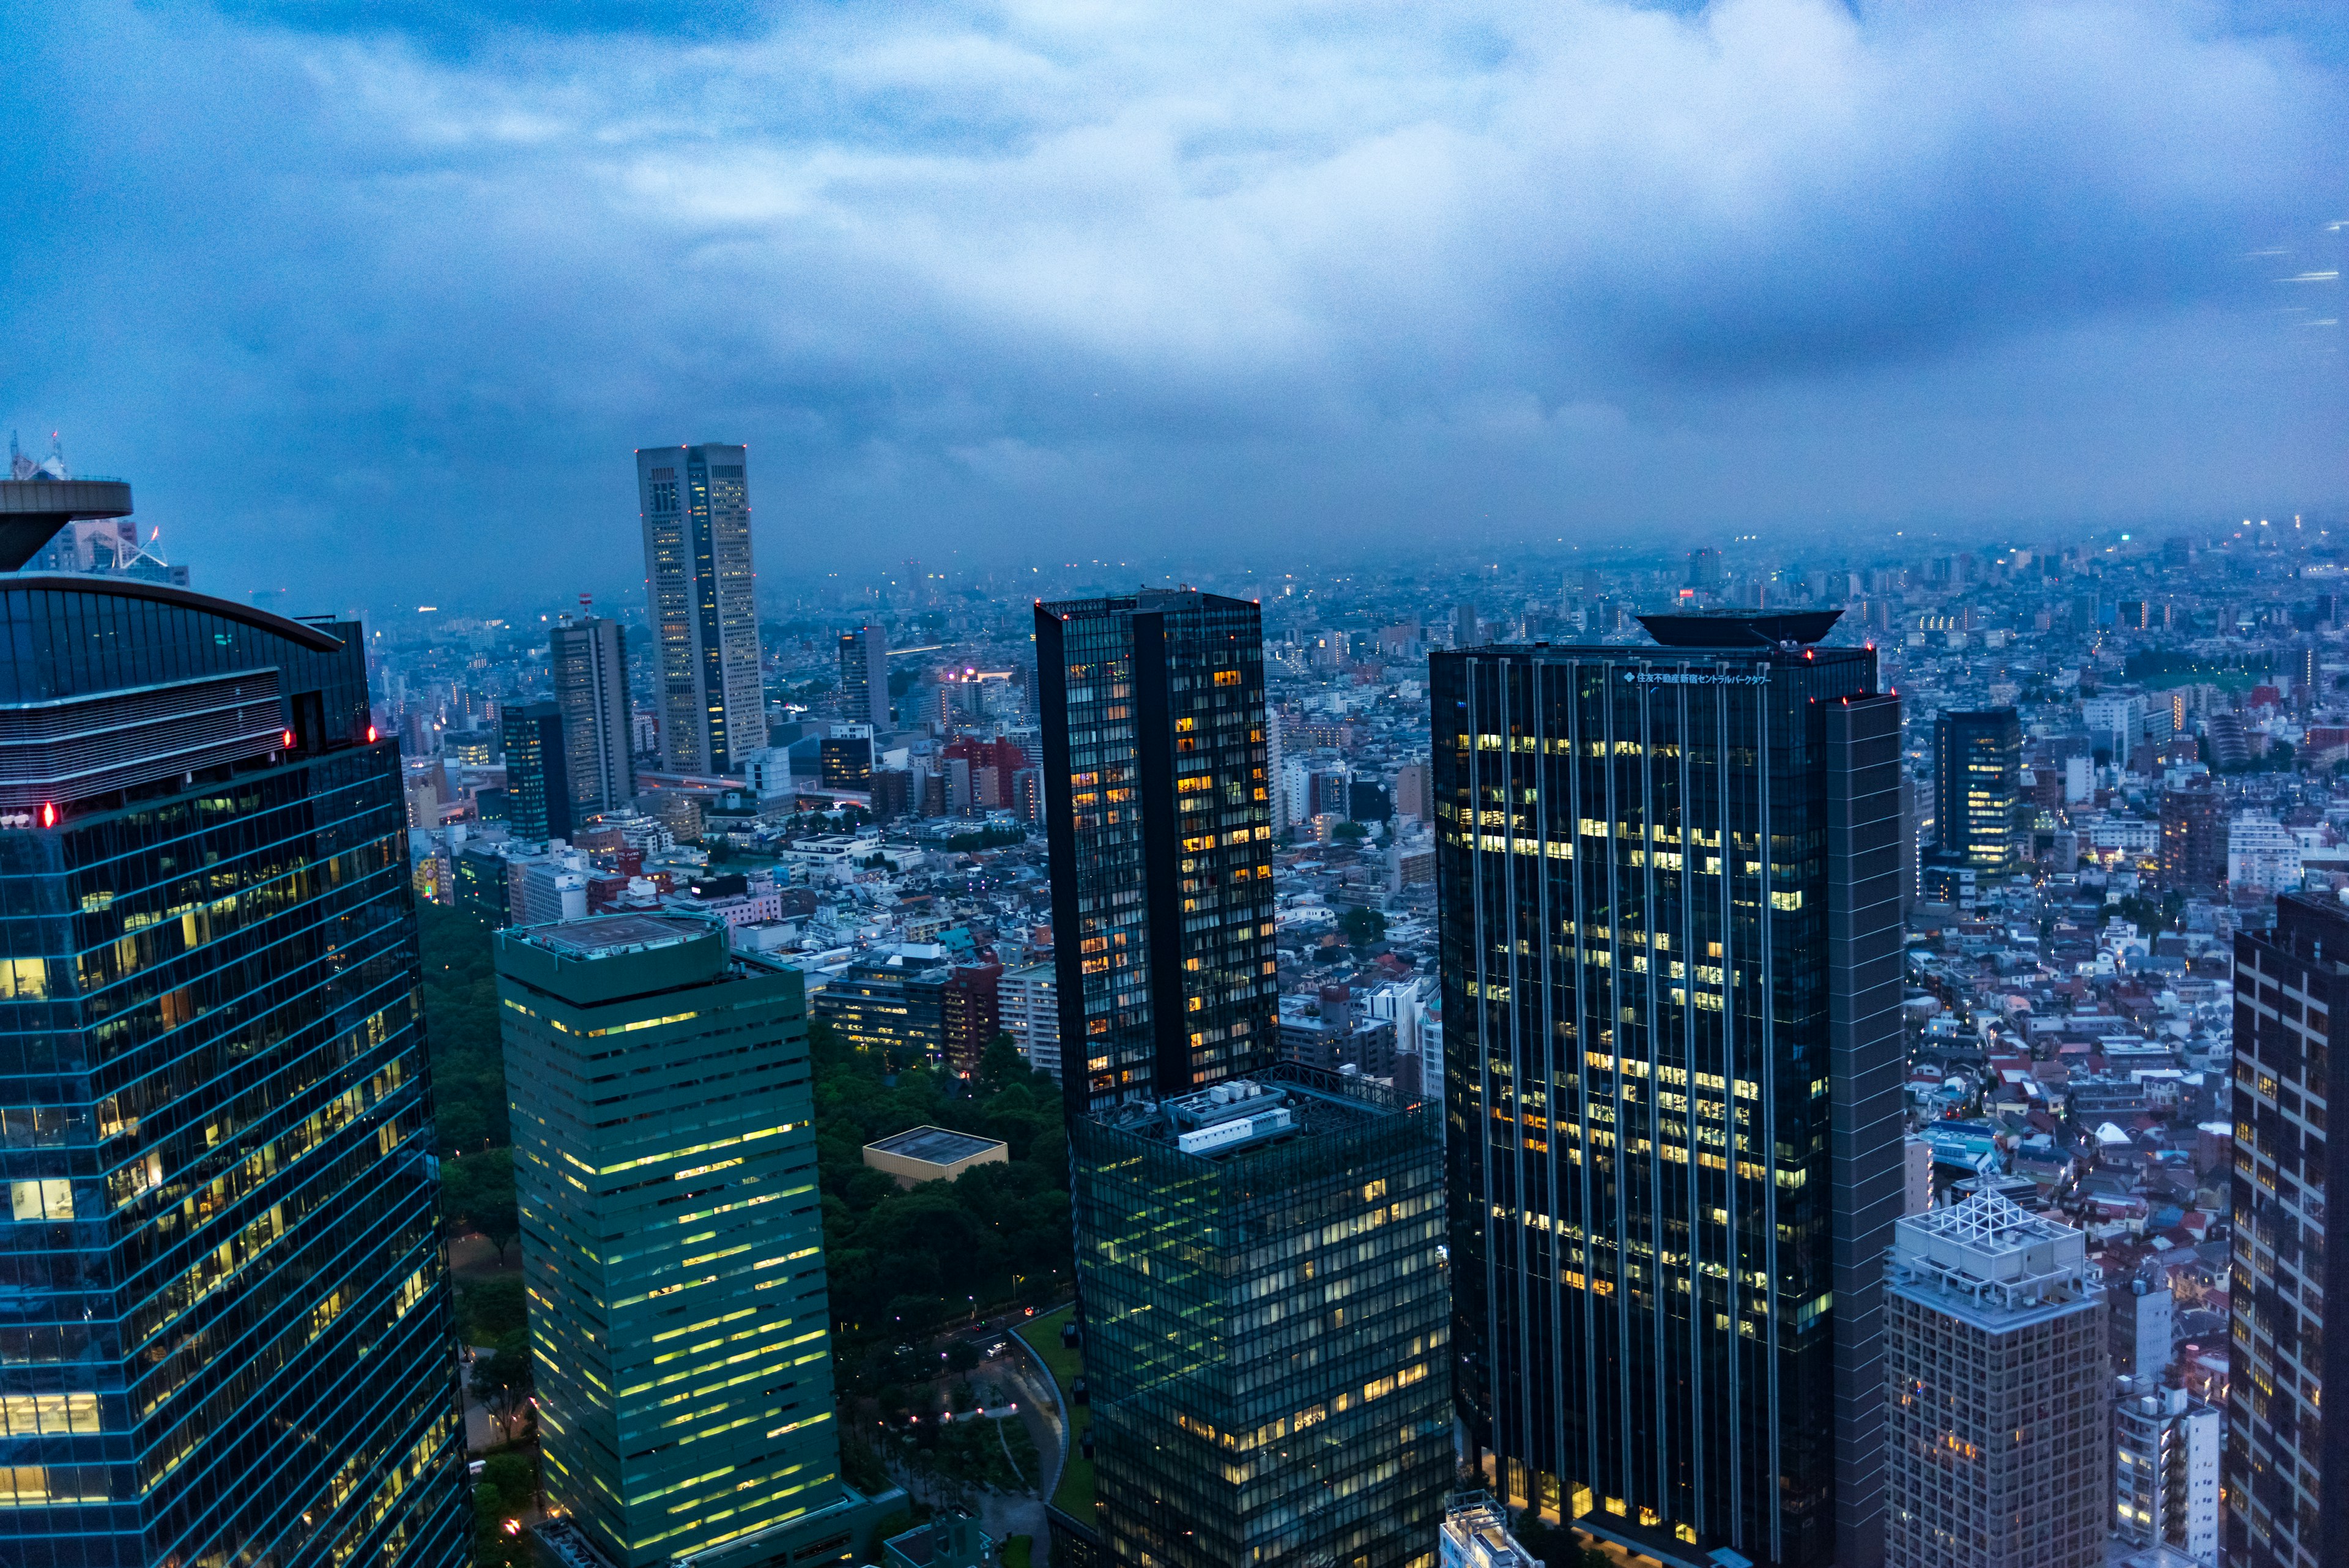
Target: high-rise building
(1224, 1208)
(2194, 837)
(227, 1334)
(1031, 1014)
(2165, 1453)
(696, 505)
(2287, 1471)
(1476, 1535)
(865, 676)
(590, 665)
(1467, 631)
(1669, 885)
(1977, 783)
(538, 785)
(666, 1168)
(1161, 833)
(1994, 1385)
(1705, 569)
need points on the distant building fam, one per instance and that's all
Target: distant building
(614, 1030)
(2262, 855)
(696, 505)
(1994, 1380)
(1476, 1535)
(1704, 573)
(538, 784)
(2166, 1464)
(1977, 785)
(2287, 1468)
(590, 665)
(1032, 1012)
(2194, 837)
(865, 676)
(2144, 1330)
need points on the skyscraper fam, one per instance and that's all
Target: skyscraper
(538, 785)
(2287, 1471)
(1161, 834)
(696, 505)
(1977, 782)
(665, 1161)
(1994, 1379)
(590, 665)
(1257, 1246)
(1669, 880)
(865, 676)
(227, 1335)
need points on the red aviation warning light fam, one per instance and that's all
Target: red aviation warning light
(288, 742)
(371, 735)
(48, 814)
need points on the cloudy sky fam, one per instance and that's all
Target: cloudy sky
(375, 308)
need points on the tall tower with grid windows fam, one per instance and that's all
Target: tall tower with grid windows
(1257, 1245)
(695, 502)
(1669, 880)
(1977, 782)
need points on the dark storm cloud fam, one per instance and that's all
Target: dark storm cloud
(369, 299)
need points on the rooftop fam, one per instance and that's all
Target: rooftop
(605, 935)
(1991, 1255)
(937, 1145)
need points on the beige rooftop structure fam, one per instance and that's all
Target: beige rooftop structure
(932, 1153)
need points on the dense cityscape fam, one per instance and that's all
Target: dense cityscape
(1707, 1058)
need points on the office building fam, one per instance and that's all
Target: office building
(1704, 571)
(1222, 1204)
(1668, 879)
(1994, 1385)
(865, 676)
(2144, 1325)
(1977, 785)
(2165, 1454)
(696, 505)
(590, 665)
(845, 761)
(227, 1333)
(2287, 1471)
(664, 1165)
(1264, 1322)
(538, 782)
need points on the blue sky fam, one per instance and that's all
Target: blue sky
(372, 302)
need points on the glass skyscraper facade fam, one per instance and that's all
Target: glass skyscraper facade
(2286, 1467)
(1257, 1249)
(1160, 822)
(1977, 785)
(225, 1336)
(695, 502)
(589, 661)
(1267, 1337)
(538, 784)
(1669, 894)
(673, 1248)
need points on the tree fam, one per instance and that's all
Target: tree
(962, 1356)
(1362, 925)
(1351, 830)
(502, 1380)
(1001, 1065)
(477, 1192)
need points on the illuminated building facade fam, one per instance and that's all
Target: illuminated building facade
(1257, 1245)
(1995, 1382)
(227, 1334)
(865, 676)
(538, 782)
(673, 1248)
(1266, 1334)
(696, 505)
(1159, 820)
(1977, 783)
(1669, 880)
(2286, 1470)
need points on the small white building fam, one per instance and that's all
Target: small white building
(2263, 853)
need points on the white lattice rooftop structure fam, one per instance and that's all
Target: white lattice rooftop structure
(1987, 1248)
